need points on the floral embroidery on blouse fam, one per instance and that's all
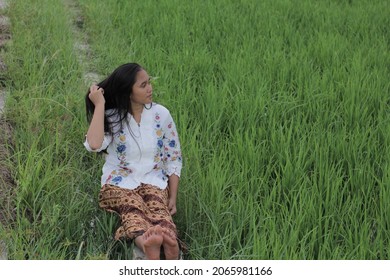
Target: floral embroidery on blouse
(116, 176)
(121, 148)
(172, 152)
(168, 149)
(159, 133)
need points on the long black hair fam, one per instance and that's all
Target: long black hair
(117, 90)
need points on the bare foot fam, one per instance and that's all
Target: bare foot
(171, 247)
(151, 242)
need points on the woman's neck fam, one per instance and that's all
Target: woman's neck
(136, 111)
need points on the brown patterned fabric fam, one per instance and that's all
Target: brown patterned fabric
(139, 209)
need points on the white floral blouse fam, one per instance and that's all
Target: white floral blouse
(147, 152)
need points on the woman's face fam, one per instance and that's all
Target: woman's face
(142, 89)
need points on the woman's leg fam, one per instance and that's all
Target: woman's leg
(132, 206)
(129, 205)
(156, 200)
(170, 245)
(150, 242)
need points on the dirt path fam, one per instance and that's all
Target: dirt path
(81, 47)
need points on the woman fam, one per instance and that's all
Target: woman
(142, 159)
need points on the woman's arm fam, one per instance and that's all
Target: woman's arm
(173, 186)
(172, 160)
(95, 134)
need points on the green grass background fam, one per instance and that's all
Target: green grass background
(282, 108)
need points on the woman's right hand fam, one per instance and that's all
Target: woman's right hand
(96, 95)
(95, 134)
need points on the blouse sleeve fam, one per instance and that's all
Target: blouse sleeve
(172, 151)
(106, 141)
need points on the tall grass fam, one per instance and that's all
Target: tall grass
(55, 201)
(282, 109)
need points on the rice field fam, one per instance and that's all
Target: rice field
(282, 108)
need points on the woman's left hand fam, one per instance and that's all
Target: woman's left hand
(172, 206)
